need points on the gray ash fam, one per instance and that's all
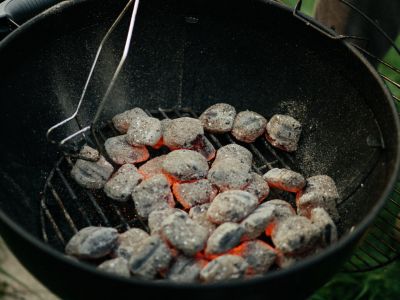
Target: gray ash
(123, 120)
(90, 174)
(218, 118)
(185, 269)
(185, 165)
(144, 131)
(194, 193)
(128, 240)
(234, 151)
(224, 238)
(120, 152)
(283, 132)
(229, 174)
(181, 133)
(152, 194)
(92, 242)
(284, 179)
(199, 215)
(258, 187)
(248, 126)
(120, 186)
(117, 266)
(231, 206)
(223, 268)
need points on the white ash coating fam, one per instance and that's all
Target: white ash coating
(284, 179)
(283, 132)
(204, 147)
(224, 267)
(182, 132)
(152, 167)
(121, 152)
(123, 120)
(218, 118)
(229, 174)
(234, 151)
(150, 257)
(320, 191)
(120, 186)
(156, 218)
(144, 131)
(257, 186)
(295, 235)
(128, 240)
(152, 194)
(194, 193)
(199, 215)
(92, 242)
(248, 126)
(224, 238)
(270, 212)
(164, 124)
(185, 269)
(231, 206)
(328, 231)
(117, 266)
(185, 165)
(89, 153)
(91, 175)
(184, 233)
(259, 255)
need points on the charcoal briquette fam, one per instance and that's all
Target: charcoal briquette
(283, 132)
(224, 238)
(284, 179)
(123, 120)
(120, 152)
(185, 165)
(248, 126)
(224, 267)
(117, 266)
(120, 186)
(218, 118)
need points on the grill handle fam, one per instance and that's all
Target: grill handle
(15, 12)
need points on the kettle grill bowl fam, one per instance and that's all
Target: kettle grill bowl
(251, 54)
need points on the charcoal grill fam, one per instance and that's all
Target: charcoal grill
(219, 51)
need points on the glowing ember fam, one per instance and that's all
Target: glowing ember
(285, 180)
(219, 229)
(120, 152)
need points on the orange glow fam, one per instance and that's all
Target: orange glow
(282, 187)
(270, 228)
(142, 153)
(178, 196)
(159, 144)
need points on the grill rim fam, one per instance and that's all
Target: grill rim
(344, 242)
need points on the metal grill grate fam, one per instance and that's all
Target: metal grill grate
(66, 207)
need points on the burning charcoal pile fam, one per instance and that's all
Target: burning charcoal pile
(209, 216)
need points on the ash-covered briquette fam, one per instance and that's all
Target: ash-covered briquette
(92, 242)
(89, 174)
(320, 191)
(258, 187)
(284, 261)
(185, 269)
(121, 152)
(231, 206)
(218, 118)
(194, 193)
(152, 167)
(234, 151)
(266, 216)
(283, 132)
(150, 257)
(284, 179)
(204, 147)
(224, 267)
(248, 126)
(183, 233)
(117, 266)
(199, 215)
(89, 153)
(328, 231)
(295, 235)
(259, 255)
(152, 194)
(229, 174)
(185, 165)
(224, 238)
(144, 131)
(128, 240)
(156, 218)
(181, 133)
(120, 186)
(123, 120)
